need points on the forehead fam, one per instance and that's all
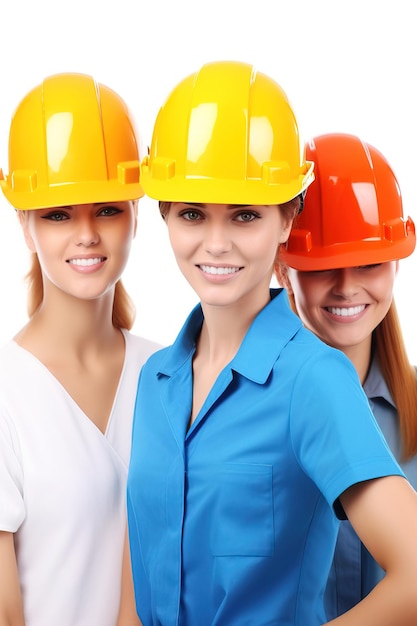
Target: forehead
(208, 205)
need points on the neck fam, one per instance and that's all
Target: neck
(224, 328)
(70, 325)
(360, 355)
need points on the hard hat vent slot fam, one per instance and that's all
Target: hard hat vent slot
(163, 168)
(128, 172)
(24, 180)
(276, 172)
(300, 242)
(395, 230)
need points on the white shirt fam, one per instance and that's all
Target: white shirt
(62, 489)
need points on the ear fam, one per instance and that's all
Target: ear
(23, 218)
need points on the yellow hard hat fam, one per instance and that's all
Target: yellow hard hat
(228, 135)
(72, 141)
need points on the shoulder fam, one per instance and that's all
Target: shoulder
(21, 378)
(12, 358)
(325, 382)
(313, 358)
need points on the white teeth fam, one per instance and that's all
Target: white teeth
(86, 262)
(346, 311)
(210, 269)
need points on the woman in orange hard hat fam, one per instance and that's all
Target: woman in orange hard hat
(68, 378)
(251, 436)
(339, 267)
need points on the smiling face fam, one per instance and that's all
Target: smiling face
(227, 252)
(82, 249)
(343, 306)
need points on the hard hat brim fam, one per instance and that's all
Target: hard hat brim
(71, 194)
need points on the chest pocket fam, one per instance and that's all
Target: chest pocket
(242, 516)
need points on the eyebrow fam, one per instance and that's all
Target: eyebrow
(202, 205)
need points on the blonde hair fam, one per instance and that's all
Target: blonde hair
(398, 373)
(123, 314)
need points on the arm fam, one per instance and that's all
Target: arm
(11, 608)
(383, 512)
(127, 612)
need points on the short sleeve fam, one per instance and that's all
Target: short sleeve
(12, 509)
(334, 434)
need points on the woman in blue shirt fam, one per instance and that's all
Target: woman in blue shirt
(342, 288)
(243, 456)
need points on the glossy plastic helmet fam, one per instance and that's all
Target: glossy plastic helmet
(228, 135)
(71, 141)
(353, 213)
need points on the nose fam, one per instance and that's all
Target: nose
(346, 284)
(217, 239)
(86, 233)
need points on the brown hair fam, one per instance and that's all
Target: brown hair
(123, 307)
(398, 373)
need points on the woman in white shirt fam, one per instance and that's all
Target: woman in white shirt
(68, 378)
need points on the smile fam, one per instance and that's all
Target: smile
(87, 262)
(211, 269)
(346, 311)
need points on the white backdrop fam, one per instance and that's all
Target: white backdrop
(346, 67)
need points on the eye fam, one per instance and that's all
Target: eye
(247, 216)
(56, 216)
(365, 268)
(191, 215)
(108, 211)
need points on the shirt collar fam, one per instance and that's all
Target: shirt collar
(274, 326)
(375, 385)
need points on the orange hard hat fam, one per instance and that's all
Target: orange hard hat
(72, 141)
(353, 213)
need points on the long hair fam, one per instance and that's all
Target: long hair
(400, 377)
(123, 314)
(398, 373)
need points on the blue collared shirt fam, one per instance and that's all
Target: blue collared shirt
(232, 521)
